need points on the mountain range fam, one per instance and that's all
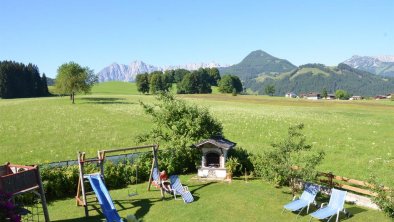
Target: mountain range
(379, 65)
(317, 77)
(258, 63)
(127, 73)
(359, 75)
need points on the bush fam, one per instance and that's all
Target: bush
(244, 158)
(384, 199)
(60, 182)
(277, 164)
(178, 125)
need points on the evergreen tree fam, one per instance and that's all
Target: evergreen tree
(18, 80)
(44, 85)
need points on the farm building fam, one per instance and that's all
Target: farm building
(291, 95)
(356, 98)
(311, 96)
(330, 97)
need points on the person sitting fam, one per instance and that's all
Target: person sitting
(164, 181)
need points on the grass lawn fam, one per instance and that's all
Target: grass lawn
(214, 201)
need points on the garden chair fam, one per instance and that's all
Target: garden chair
(334, 207)
(304, 201)
(178, 189)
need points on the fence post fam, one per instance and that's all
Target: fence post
(330, 179)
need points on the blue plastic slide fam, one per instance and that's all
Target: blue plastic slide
(104, 198)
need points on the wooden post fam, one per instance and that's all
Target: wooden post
(81, 159)
(150, 174)
(42, 195)
(330, 179)
(101, 157)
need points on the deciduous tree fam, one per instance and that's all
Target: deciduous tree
(228, 83)
(72, 78)
(278, 165)
(270, 90)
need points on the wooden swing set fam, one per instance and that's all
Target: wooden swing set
(81, 197)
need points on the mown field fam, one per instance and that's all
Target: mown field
(356, 136)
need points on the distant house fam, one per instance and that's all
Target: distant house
(291, 95)
(380, 97)
(311, 96)
(330, 96)
(356, 98)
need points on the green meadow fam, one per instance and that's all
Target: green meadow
(356, 136)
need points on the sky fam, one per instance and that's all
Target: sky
(98, 33)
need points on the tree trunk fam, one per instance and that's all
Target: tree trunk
(73, 96)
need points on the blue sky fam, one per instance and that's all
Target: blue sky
(98, 33)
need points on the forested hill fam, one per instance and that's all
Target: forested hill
(257, 63)
(316, 77)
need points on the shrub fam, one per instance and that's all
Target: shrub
(244, 158)
(178, 125)
(384, 199)
(277, 164)
(60, 182)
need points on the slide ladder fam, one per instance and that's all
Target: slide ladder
(104, 198)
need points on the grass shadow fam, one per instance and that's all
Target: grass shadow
(355, 210)
(88, 219)
(105, 100)
(144, 206)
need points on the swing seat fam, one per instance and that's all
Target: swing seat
(133, 194)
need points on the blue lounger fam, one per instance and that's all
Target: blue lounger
(178, 189)
(334, 207)
(305, 200)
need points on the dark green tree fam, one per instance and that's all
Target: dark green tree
(44, 85)
(204, 80)
(18, 80)
(179, 74)
(214, 76)
(324, 93)
(189, 84)
(342, 94)
(142, 82)
(72, 78)
(270, 90)
(159, 82)
(228, 83)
